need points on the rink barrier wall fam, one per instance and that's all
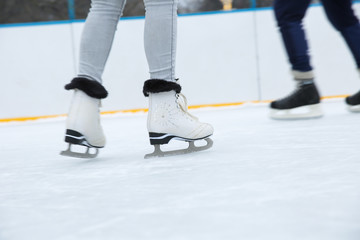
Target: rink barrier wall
(127, 18)
(38, 59)
(145, 110)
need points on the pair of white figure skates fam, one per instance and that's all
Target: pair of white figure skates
(168, 119)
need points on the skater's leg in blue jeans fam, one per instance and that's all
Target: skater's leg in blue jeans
(342, 17)
(289, 15)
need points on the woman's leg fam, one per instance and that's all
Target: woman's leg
(168, 117)
(97, 37)
(160, 38)
(83, 123)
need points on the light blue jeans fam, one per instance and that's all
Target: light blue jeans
(159, 37)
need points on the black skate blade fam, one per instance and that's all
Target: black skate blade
(191, 149)
(87, 154)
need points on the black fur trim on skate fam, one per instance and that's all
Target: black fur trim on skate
(158, 85)
(90, 87)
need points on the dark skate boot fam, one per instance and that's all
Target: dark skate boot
(353, 102)
(303, 103)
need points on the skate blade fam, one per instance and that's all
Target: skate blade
(303, 112)
(87, 154)
(191, 148)
(354, 109)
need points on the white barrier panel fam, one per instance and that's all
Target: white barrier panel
(217, 58)
(35, 62)
(222, 58)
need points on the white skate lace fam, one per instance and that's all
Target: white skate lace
(182, 102)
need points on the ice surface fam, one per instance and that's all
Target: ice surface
(263, 179)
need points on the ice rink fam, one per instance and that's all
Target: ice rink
(262, 180)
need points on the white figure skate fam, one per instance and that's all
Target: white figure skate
(83, 126)
(169, 119)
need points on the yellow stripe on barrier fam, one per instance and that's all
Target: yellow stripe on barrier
(216, 105)
(23, 119)
(336, 96)
(126, 111)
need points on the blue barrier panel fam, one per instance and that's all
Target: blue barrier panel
(71, 9)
